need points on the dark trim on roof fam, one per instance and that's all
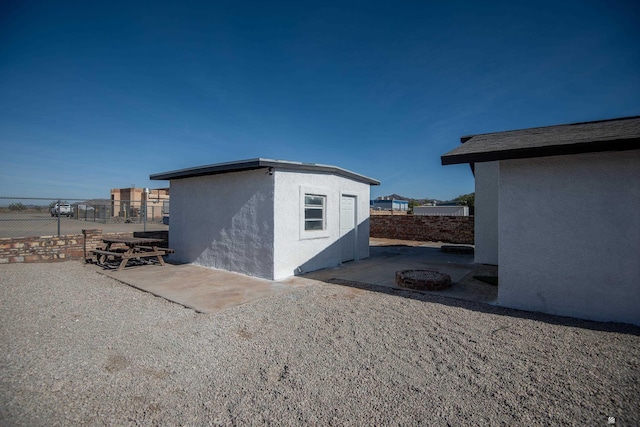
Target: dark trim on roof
(552, 150)
(260, 163)
(465, 138)
(619, 134)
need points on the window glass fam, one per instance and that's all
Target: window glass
(313, 225)
(314, 212)
(313, 200)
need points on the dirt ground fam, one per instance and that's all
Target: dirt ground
(79, 348)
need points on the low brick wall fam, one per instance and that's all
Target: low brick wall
(449, 229)
(41, 249)
(61, 248)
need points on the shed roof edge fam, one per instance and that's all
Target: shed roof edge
(259, 163)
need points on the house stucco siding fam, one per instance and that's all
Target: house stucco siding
(569, 228)
(487, 177)
(224, 221)
(297, 252)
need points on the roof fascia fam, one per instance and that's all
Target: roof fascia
(259, 163)
(551, 150)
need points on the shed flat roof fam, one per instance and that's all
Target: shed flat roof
(260, 163)
(588, 137)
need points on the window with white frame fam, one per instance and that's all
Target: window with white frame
(314, 212)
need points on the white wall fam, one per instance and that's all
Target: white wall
(298, 252)
(569, 229)
(487, 177)
(224, 221)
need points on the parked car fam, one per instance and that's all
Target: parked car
(64, 209)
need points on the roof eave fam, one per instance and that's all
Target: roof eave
(623, 144)
(259, 163)
(207, 170)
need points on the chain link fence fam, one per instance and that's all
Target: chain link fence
(37, 216)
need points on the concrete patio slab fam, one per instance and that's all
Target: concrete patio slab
(203, 289)
(209, 290)
(389, 256)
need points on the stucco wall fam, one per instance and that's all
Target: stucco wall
(487, 176)
(569, 230)
(224, 221)
(296, 252)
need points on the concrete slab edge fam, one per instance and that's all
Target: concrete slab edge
(104, 273)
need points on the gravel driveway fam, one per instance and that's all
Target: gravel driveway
(79, 348)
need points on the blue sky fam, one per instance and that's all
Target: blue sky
(99, 95)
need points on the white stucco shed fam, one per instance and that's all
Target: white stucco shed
(268, 218)
(558, 210)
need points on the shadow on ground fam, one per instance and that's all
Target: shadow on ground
(483, 307)
(385, 260)
(377, 274)
(209, 290)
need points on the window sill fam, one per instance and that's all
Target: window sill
(310, 235)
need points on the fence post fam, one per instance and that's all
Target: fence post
(58, 217)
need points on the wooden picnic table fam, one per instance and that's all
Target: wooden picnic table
(136, 248)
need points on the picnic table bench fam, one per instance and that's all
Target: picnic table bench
(148, 248)
(139, 248)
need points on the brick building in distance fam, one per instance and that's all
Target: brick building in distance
(130, 202)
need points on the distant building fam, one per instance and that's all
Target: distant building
(390, 205)
(441, 210)
(130, 202)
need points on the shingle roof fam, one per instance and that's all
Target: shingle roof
(259, 163)
(604, 135)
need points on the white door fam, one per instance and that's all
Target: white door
(348, 228)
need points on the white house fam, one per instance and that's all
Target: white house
(558, 210)
(268, 218)
(390, 204)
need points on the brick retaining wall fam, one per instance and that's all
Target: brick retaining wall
(449, 229)
(61, 248)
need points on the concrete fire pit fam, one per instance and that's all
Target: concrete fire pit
(425, 280)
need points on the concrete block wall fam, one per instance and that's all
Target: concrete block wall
(449, 229)
(61, 248)
(377, 212)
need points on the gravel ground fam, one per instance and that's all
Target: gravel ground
(81, 349)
